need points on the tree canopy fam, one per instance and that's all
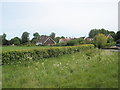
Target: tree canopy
(15, 41)
(52, 35)
(100, 40)
(117, 36)
(25, 37)
(94, 32)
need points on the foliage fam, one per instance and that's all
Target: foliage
(10, 57)
(25, 38)
(15, 41)
(117, 37)
(22, 47)
(110, 44)
(36, 35)
(110, 40)
(57, 39)
(0, 40)
(52, 35)
(35, 38)
(72, 43)
(62, 37)
(92, 68)
(100, 40)
(94, 32)
(81, 41)
(3, 39)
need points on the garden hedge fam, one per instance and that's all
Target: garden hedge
(10, 57)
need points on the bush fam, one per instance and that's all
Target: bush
(10, 57)
(72, 43)
(100, 40)
(110, 44)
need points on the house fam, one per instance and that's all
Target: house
(45, 40)
(109, 36)
(65, 39)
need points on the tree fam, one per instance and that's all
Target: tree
(4, 40)
(35, 38)
(52, 35)
(72, 43)
(94, 32)
(100, 40)
(81, 41)
(117, 36)
(57, 39)
(15, 41)
(25, 38)
(36, 35)
(62, 37)
(0, 40)
(110, 40)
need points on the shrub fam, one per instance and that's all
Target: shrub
(100, 40)
(110, 44)
(10, 57)
(72, 43)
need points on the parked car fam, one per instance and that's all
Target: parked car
(118, 45)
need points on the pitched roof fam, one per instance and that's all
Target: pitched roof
(43, 39)
(108, 36)
(65, 39)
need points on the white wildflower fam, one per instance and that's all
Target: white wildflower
(67, 64)
(36, 68)
(43, 63)
(60, 63)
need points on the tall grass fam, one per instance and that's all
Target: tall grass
(12, 48)
(88, 69)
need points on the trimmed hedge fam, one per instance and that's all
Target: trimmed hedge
(10, 57)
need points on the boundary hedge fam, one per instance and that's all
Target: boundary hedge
(10, 57)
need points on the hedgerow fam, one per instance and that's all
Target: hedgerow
(10, 57)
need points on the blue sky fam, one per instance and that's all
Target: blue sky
(68, 18)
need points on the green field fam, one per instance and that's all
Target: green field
(12, 48)
(87, 69)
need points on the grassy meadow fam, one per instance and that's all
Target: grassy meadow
(12, 48)
(87, 69)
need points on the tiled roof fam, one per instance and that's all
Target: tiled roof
(43, 39)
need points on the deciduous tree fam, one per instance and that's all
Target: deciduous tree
(15, 41)
(52, 35)
(100, 40)
(25, 38)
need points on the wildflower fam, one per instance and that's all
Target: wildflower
(43, 63)
(60, 63)
(36, 68)
(67, 64)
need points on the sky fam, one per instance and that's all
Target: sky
(69, 18)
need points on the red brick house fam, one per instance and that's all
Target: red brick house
(45, 40)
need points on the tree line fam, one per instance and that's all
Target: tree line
(25, 40)
(99, 36)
